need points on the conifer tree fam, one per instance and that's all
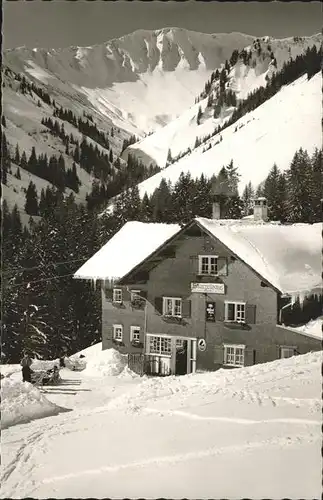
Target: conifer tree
(31, 205)
(300, 189)
(273, 194)
(17, 155)
(199, 115)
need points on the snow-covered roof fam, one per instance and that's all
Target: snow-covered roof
(126, 249)
(286, 256)
(312, 329)
(289, 257)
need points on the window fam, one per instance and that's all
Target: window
(134, 295)
(234, 355)
(135, 334)
(172, 307)
(235, 311)
(287, 352)
(117, 295)
(159, 345)
(208, 264)
(118, 332)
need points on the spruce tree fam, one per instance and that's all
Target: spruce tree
(31, 204)
(300, 189)
(17, 155)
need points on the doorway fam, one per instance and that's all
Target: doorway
(181, 357)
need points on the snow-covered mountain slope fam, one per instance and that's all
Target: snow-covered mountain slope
(270, 134)
(24, 112)
(248, 71)
(141, 80)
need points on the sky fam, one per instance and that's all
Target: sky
(61, 23)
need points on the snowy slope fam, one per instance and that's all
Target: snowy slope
(243, 77)
(260, 425)
(270, 134)
(141, 80)
(24, 113)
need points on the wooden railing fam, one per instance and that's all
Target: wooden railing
(148, 364)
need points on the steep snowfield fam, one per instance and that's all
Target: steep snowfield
(260, 425)
(141, 80)
(270, 134)
(181, 133)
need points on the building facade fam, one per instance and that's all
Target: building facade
(195, 305)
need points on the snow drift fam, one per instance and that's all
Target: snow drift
(100, 363)
(21, 402)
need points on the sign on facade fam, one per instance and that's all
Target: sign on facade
(207, 287)
(210, 311)
(201, 344)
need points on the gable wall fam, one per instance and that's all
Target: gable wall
(173, 276)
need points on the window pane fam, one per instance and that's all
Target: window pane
(165, 346)
(154, 344)
(177, 307)
(205, 265)
(213, 265)
(240, 312)
(168, 307)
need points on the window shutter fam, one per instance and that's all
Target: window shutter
(159, 304)
(249, 357)
(222, 266)
(194, 265)
(219, 311)
(108, 293)
(250, 314)
(186, 308)
(219, 355)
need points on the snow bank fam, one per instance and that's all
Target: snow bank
(132, 244)
(21, 402)
(8, 370)
(102, 363)
(262, 382)
(44, 364)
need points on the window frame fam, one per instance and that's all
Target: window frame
(200, 263)
(132, 328)
(236, 319)
(234, 363)
(287, 347)
(173, 313)
(115, 328)
(135, 295)
(115, 291)
(159, 352)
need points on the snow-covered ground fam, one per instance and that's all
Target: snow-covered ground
(247, 433)
(270, 134)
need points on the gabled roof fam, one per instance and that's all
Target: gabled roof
(126, 249)
(289, 257)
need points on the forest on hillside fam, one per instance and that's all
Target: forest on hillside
(48, 312)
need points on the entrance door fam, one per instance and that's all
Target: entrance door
(181, 357)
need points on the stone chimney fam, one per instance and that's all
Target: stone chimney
(216, 210)
(260, 209)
